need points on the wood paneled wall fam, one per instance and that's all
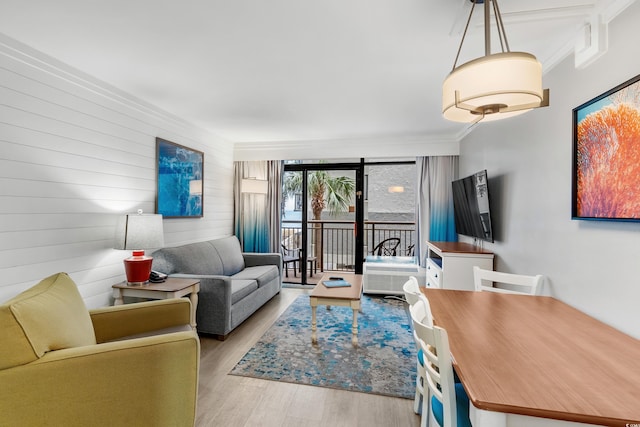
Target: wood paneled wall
(74, 154)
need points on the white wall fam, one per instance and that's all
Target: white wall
(594, 266)
(75, 153)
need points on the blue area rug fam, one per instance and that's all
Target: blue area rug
(382, 363)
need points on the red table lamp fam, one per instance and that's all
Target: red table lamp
(138, 232)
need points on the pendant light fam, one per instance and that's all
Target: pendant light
(494, 86)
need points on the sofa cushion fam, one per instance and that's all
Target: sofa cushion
(263, 274)
(194, 258)
(242, 288)
(230, 254)
(49, 316)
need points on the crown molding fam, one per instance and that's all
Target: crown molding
(592, 39)
(381, 147)
(44, 63)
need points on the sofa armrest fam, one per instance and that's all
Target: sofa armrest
(252, 259)
(146, 381)
(214, 303)
(115, 322)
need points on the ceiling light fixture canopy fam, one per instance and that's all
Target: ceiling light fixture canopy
(494, 86)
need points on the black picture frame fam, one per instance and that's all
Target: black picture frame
(606, 155)
(179, 178)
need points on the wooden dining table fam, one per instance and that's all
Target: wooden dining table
(536, 361)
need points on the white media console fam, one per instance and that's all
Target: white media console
(450, 264)
(387, 274)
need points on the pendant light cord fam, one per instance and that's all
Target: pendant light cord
(463, 36)
(502, 35)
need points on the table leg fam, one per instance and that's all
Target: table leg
(354, 327)
(314, 338)
(118, 297)
(193, 296)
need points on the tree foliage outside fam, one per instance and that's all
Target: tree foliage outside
(325, 192)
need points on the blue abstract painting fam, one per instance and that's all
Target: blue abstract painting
(180, 179)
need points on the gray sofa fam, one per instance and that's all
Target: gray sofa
(233, 284)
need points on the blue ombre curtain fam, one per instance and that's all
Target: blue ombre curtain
(257, 216)
(434, 204)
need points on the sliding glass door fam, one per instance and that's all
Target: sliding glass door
(322, 219)
(335, 214)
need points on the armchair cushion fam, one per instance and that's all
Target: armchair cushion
(49, 316)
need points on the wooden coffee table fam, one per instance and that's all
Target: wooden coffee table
(345, 297)
(171, 288)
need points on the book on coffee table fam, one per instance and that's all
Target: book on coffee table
(341, 283)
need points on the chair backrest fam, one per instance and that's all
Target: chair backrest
(411, 290)
(485, 280)
(293, 252)
(411, 250)
(413, 294)
(435, 346)
(388, 247)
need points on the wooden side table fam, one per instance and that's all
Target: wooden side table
(171, 288)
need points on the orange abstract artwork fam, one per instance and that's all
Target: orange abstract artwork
(608, 159)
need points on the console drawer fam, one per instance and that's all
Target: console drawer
(434, 274)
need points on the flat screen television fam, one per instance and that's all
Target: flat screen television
(471, 206)
(606, 155)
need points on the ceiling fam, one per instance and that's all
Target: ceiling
(288, 70)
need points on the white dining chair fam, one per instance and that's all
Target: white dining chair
(449, 403)
(486, 280)
(411, 290)
(412, 294)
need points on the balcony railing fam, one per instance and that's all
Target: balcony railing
(332, 242)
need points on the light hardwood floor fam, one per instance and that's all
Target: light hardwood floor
(232, 401)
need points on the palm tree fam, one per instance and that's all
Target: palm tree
(325, 191)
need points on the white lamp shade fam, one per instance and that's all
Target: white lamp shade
(252, 185)
(502, 85)
(138, 231)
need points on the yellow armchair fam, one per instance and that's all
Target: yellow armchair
(129, 365)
